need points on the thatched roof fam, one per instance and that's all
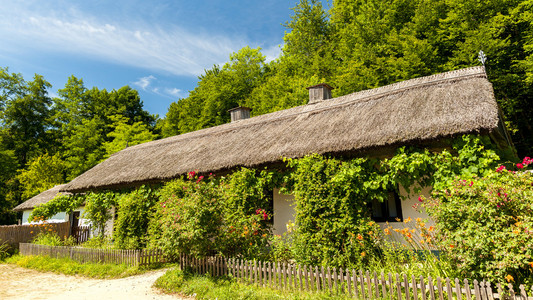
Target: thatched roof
(41, 198)
(412, 111)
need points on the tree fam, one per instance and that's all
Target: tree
(42, 173)
(124, 135)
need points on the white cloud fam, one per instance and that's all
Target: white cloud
(144, 82)
(271, 53)
(174, 92)
(171, 49)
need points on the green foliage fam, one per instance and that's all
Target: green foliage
(70, 267)
(4, 250)
(98, 206)
(43, 172)
(134, 212)
(485, 222)
(204, 216)
(83, 146)
(45, 141)
(124, 135)
(188, 217)
(207, 287)
(218, 90)
(98, 242)
(66, 203)
(334, 226)
(48, 239)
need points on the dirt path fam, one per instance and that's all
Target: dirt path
(20, 283)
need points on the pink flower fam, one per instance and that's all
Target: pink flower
(520, 166)
(471, 183)
(199, 179)
(265, 216)
(527, 161)
(500, 168)
(191, 174)
(420, 199)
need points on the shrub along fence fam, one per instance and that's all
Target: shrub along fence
(15, 234)
(361, 285)
(79, 254)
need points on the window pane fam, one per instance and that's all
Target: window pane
(393, 212)
(377, 209)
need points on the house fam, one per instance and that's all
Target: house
(75, 218)
(27, 207)
(423, 111)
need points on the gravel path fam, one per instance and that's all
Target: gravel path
(21, 283)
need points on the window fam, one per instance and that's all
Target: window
(388, 210)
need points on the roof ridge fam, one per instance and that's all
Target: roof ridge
(357, 97)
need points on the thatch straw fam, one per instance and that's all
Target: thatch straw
(412, 111)
(42, 198)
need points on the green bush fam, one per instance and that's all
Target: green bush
(188, 217)
(98, 242)
(48, 238)
(205, 216)
(98, 206)
(333, 224)
(134, 212)
(486, 224)
(4, 250)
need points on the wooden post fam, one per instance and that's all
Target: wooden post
(317, 278)
(415, 287)
(467, 288)
(423, 287)
(439, 286)
(431, 289)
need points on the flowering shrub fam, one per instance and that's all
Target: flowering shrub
(187, 217)
(203, 216)
(486, 223)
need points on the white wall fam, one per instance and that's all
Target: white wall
(59, 217)
(408, 211)
(283, 211)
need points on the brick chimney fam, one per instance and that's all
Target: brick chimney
(319, 92)
(239, 113)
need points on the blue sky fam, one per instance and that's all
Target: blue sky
(157, 47)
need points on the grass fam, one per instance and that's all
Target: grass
(70, 267)
(208, 287)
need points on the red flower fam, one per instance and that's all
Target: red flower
(520, 166)
(420, 199)
(265, 216)
(527, 161)
(191, 174)
(471, 183)
(500, 168)
(199, 179)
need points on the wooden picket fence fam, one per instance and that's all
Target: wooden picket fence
(15, 234)
(81, 233)
(358, 284)
(112, 256)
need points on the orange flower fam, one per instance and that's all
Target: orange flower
(509, 278)
(359, 236)
(387, 231)
(451, 246)
(363, 254)
(431, 228)
(531, 264)
(407, 220)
